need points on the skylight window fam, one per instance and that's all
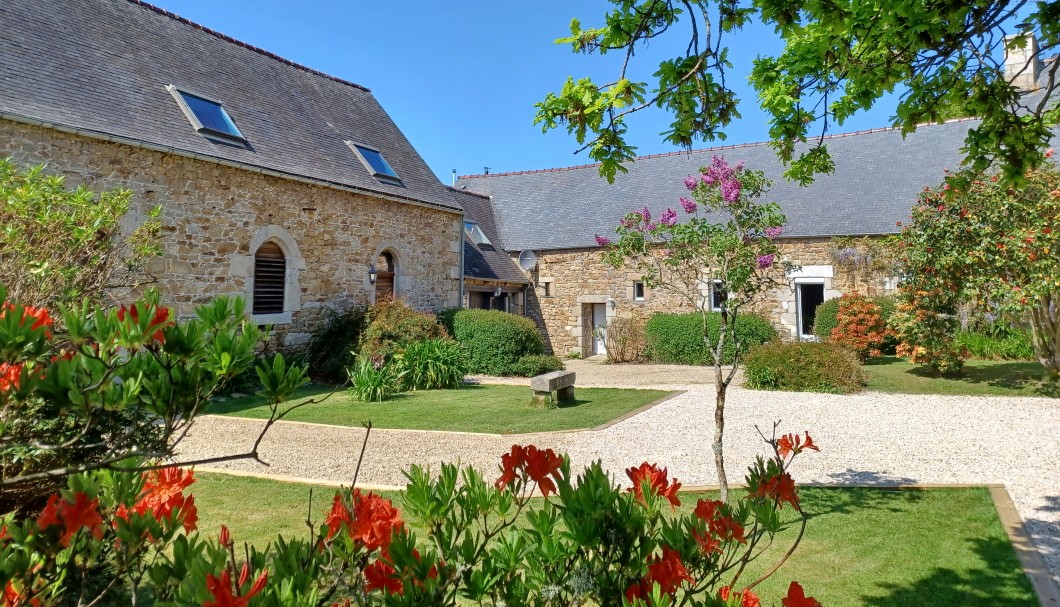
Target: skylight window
(206, 115)
(475, 233)
(375, 163)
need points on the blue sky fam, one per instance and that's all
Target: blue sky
(460, 78)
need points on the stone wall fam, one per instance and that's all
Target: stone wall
(214, 217)
(567, 283)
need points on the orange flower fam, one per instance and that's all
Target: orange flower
(39, 316)
(656, 481)
(159, 321)
(14, 598)
(747, 598)
(163, 495)
(797, 597)
(539, 465)
(72, 516)
(340, 515)
(668, 571)
(381, 574)
(225, 539)
(780, 488)
(222, 590)
(792, 443)
(10, 376)
(724, 527)
(372, 521)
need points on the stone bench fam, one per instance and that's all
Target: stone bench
(552, 388)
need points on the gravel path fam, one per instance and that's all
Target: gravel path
(870, 438)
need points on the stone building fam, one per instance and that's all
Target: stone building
(277, 182)
(556, 213)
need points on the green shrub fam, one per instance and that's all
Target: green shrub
(371, 383)
(392, 326)
(536, 364)
(495, 340)
(333, 348)
(803, 367)
(430, 364)
(678, 338)
(887, 304)
(825, 318)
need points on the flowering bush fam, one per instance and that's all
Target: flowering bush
(119, 536)
(975, 239)
(727, 236)
(859, 326)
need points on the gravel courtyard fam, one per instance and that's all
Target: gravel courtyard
(869, 438)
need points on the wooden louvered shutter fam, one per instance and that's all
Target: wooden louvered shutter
(270, 277)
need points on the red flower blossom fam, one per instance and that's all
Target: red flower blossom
(797, 597)
(225, 539)
(747, 598)
(656, 481)
(224, 595)
(724, 527)
(163, 495)
(780, 488)
(39, 316)
(372, 520)
(14, 598)
(539, 465)
(159, 321)
(668, 571)
(381, 574)
(10, 376)
(72, 516)
(793, 443)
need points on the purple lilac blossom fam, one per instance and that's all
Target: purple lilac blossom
(730, 190)
(668, 217)
(650, 227)
(764, 261)
(645, 214)
(774, 231)
(690, 182)
(688, 205)
(603, 241)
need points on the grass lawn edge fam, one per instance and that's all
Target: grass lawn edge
(605, 425)
(1034, 567)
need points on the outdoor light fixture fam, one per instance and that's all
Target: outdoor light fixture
(372, 274)
(497, 292)
(611, 304)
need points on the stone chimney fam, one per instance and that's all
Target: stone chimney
(1022, 65)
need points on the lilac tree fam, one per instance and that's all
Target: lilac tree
(727, 235)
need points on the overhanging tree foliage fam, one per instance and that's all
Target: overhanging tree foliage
(840, 57)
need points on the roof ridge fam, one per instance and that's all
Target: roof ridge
(247, 46)
(705, 150)
(468, 192)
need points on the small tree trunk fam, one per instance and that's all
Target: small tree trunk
(719, 432)
(1045, 335)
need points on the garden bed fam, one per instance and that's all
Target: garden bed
(493, 409)
(863, 547)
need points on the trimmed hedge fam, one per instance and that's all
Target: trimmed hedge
(495, 341)
(804, 367)
(392, 326)
(536, 364)
(678, 338)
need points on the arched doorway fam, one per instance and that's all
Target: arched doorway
(385, 269)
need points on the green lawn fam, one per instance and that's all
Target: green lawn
(979, 378)
(493, 409)
(863, 547)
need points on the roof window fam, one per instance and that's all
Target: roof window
(377, 166)
(206, 115)
(475, 233)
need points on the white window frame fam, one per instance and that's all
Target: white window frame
(643, 291)
(716, 285)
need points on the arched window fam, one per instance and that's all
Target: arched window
(385, 271)
(270, 279)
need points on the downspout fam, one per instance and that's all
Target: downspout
(460, 235)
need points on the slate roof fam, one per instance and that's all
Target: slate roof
(488, 262)
(102, 66)
(878, 175)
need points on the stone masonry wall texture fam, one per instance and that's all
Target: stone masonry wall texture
(580, 277)
(211, 212)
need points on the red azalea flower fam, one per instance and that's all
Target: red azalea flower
(668, 571)
(374, 520)
(10, 376)
(159, 321)
(656, 481)
(340, 515)
(797, 597)
(14, 598)
(780, 488)
(725, 527)
(225, 539)
(747, 598)
(539, 465)
(72, 516)
(163, 495)
(381, 575)
(511, 463)
(222, 590)
(793, 443)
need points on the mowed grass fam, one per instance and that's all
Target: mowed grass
(978, 378)
(493, 409)
(863, 547)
